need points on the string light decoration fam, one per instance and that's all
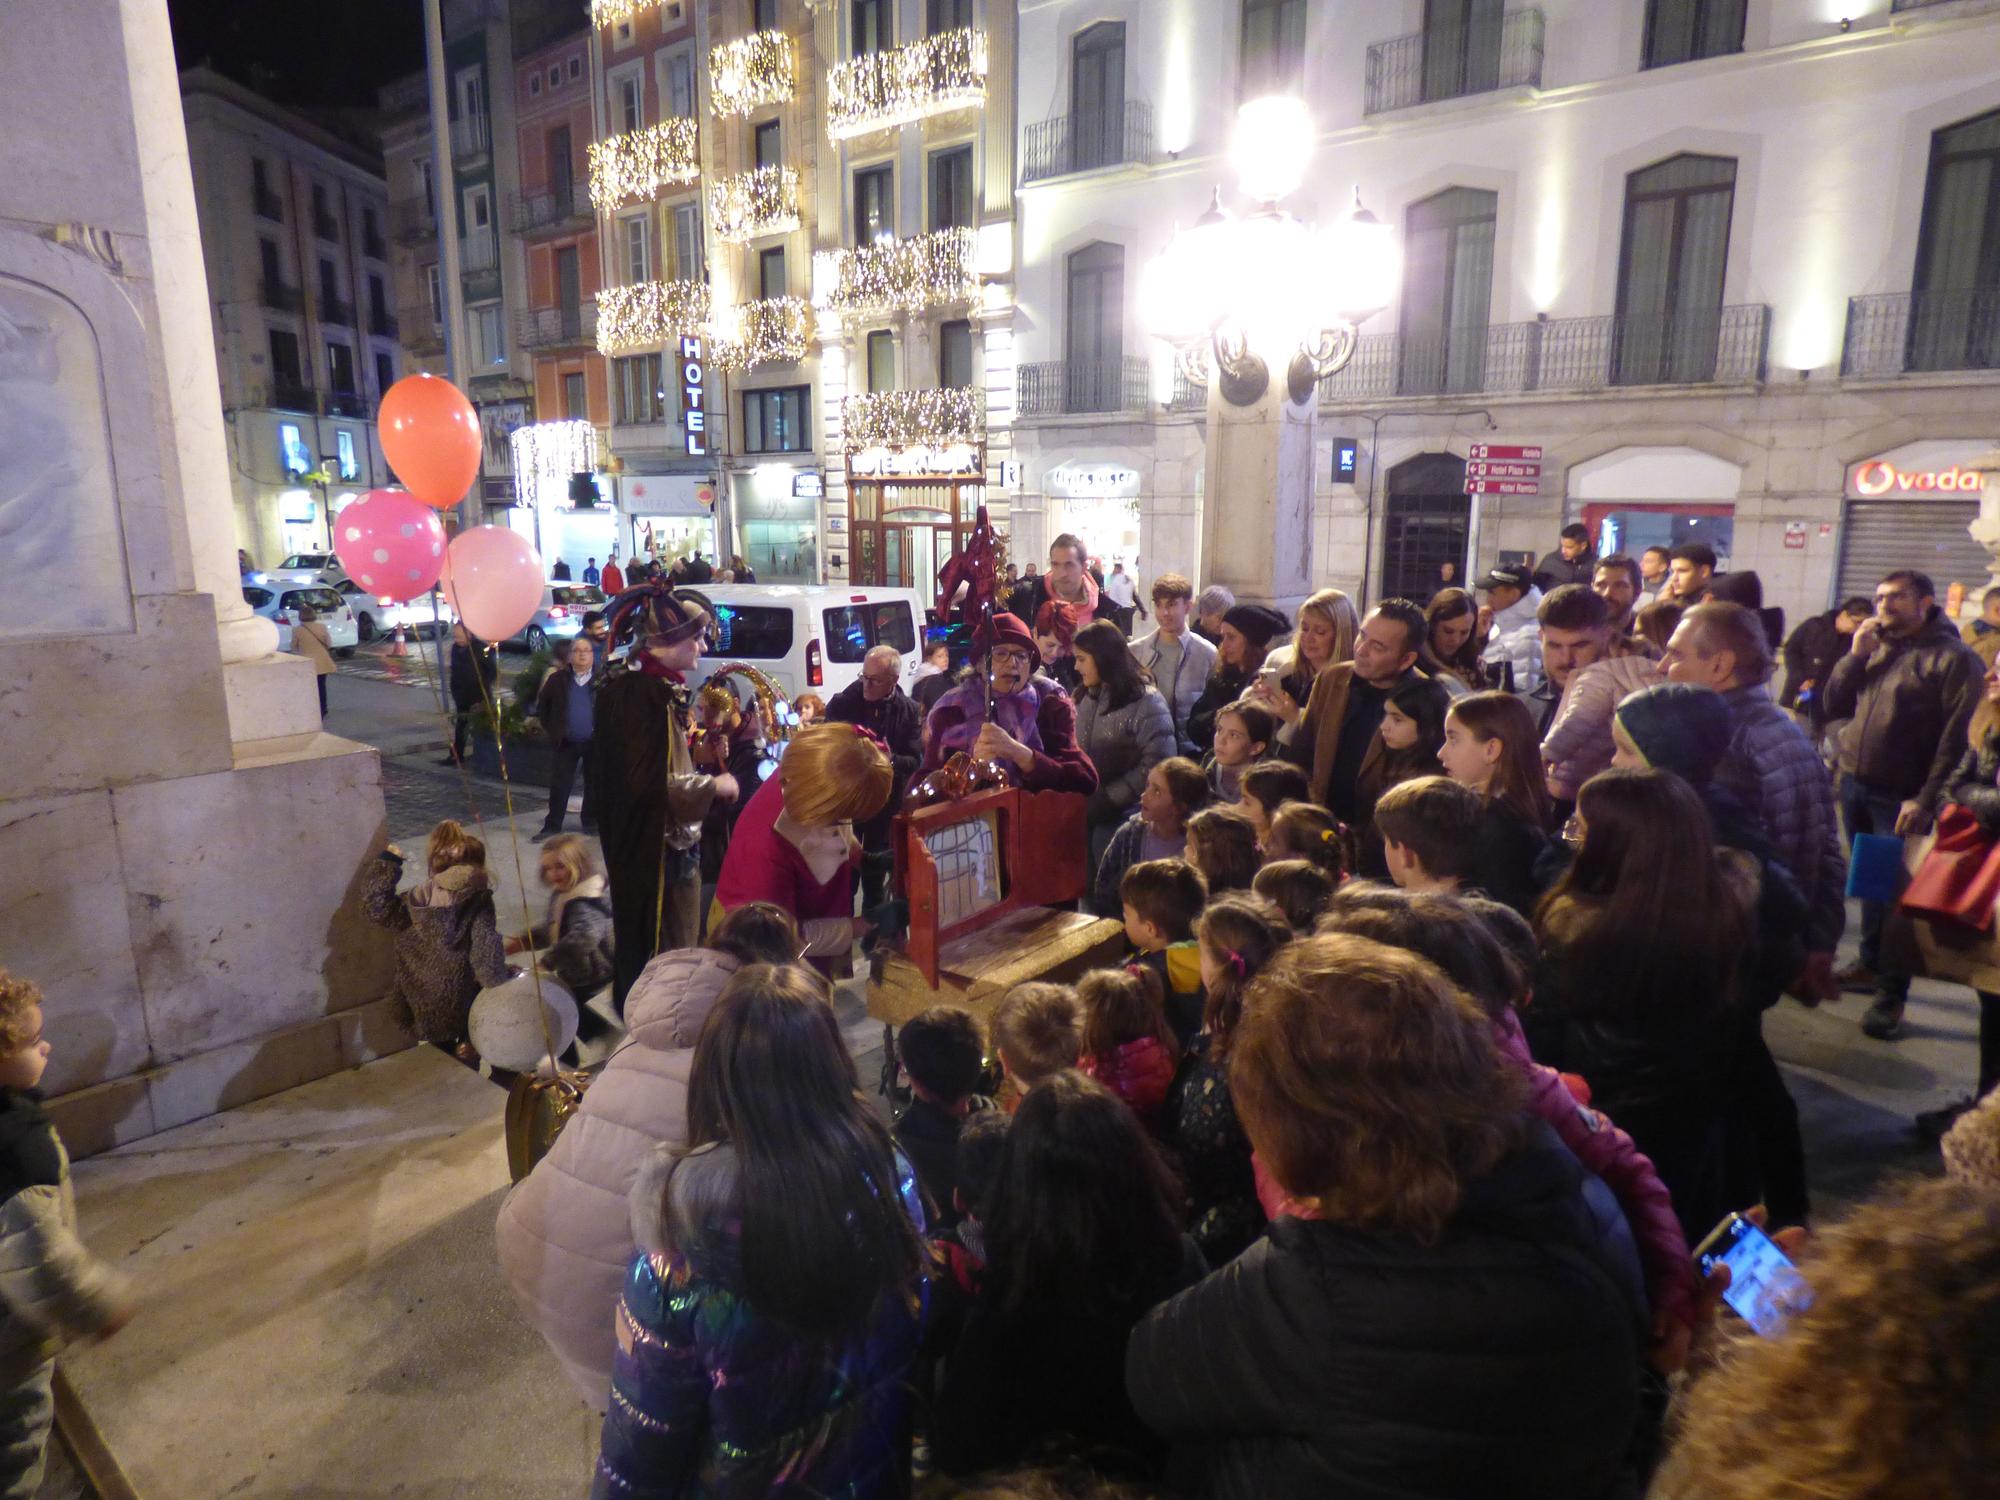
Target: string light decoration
(649, 314)
(749, 73)
(775, 331)
(609, 12)
(546, 454)
(637, 166)
(764, 200)
(938, 418)
(879, 90)
(909, 276)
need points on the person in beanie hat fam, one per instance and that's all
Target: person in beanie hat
(1033, 722)
(1673, 726)
(650, 798)
(1247, 633)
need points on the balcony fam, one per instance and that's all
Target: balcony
(267, 204)
(565, 206)
(1083, 143)
(557, 327)
(881, 90)
(1069, 387)
(372, 245)
(1909, 333)
(775, 331)
(469, 137)
(281, 298)
(749, 73)
(645, 316)
(1724, 346)
(638, 166)
(421, 330)
(911, 276)
(1452, 62)
(382, 323)
(412, 219)
(290, 395)
(764, 200)
(479, 265)
(333, 310)
(937, 417)
(347, 404)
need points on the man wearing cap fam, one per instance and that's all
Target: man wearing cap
(650, 798)
(1508, 626)
(1247, 631)
(1033, 723)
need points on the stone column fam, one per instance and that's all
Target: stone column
(1256, 524)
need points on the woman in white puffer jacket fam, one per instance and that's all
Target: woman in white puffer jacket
(565, 1231)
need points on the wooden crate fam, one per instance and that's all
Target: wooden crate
(975, 970)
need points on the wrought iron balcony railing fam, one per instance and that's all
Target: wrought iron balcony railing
(557, 327)
(279, 297)
(347, 404)
(649, 314)
(935, 417)
(421, 331)
(469, 137)
(881, 90)
(382, 323)
(1085, 142)
(290, 395)
(267, 204)
(333, 310)
(326, 227)
(1067, 387)
(774, 331)
(933, 270)
(564, 206)
(764, 200)
(1450, 62)
(1915, 332)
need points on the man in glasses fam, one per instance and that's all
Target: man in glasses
(1032, 724)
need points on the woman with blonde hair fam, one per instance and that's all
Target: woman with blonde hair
(794, 844)
(1322, 637)
(577, 933)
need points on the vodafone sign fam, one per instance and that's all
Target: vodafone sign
(1880, 477)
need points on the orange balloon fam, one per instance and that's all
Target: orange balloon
(430, 435)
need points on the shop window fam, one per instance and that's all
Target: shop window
(1679, 31)
(1447, 290)
(292, 449)
(343, 443)
(774, 421)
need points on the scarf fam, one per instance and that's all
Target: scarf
(1018, 713)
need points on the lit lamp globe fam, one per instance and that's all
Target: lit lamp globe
(1360, 265)
(1274, 144)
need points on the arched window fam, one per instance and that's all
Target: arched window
(1425, 526)
(1670, 270)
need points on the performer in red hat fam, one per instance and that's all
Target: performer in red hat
(1032, 723)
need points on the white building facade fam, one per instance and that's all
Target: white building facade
(1732, 265)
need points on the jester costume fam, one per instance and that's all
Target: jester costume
(1039, 715)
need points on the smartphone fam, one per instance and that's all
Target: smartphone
(1765, 1288)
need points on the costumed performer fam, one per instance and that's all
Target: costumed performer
(1033, 723)
(794, 845)
(650, 797)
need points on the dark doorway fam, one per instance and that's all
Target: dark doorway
(1426, 526)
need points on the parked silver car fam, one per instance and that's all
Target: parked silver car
(561, 616)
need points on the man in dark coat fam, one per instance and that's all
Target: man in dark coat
(1812, 653)
(566, 710)
(650, 799)
(1571, 562)
(471, 675)
(877, 703)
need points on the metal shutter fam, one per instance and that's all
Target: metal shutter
(1928, 535)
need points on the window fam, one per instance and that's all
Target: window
(1461, 47)
(285, 367)
(371, 235)
(257, 598)
(534, 85)
(870, 32)
(1274, 47)
(471, 95)
(292, 449)
(434, 290)
(852, 629)
(874, 205)
(771, 272)
(689, 263)
(1095, 329)
(272, 267)
(763, 15)
(881, 360)
(677, 83)
(621, 36)
(343, 444)
(774, 421)
(955, 354)
(378, 302)
(329, 291)
(1953, 323)
(555, 75)
(759, 632)
(951, 189)
(637, 382)
(339, 368)
(424, 183)
(326, 601)
(768, 144)
(575, 69)
(266, 202)
(629, 92)
(948, 15)
(1679, 31)
(569, 288)
(324, 224)
(1097, 97)
(562, 168)
(1447, 292)
(577, 597)
(1670, 270)
(575, 404)
(482, 325)
(385, 371)
(638, 249)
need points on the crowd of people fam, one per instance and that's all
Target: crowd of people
(1375, 1167)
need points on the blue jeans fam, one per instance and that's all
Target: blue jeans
(1869, 811)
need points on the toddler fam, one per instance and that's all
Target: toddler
(1127, 1045)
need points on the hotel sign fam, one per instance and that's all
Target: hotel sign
(694, 406)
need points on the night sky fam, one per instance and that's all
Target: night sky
(330, 53)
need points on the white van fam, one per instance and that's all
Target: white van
(811, 639)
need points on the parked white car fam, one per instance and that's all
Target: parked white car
(278, 601)
(322, 567)
(811, 638)
(375, 617)
(561, 616)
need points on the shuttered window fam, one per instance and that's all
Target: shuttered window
(1928, 535)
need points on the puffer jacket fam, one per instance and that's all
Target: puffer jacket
(1579, 741)
(712, 1398)
(1124, 744)
(447, 947)
(1911, 701)
(1330, 1361)
(578, 937)
(565, 1231)
(1139, 1071)
(1514, 645)
(1773, 768)
(1190, 677)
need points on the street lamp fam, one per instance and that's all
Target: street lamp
(1232, 293)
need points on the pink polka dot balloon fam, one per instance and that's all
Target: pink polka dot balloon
(390, 544)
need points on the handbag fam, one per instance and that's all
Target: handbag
(1959, 880)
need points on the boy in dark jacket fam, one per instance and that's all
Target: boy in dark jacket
(944, 1056)
(52, 1290)
(1163, 898)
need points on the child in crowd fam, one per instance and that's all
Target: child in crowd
(1412, 735)
(958, 1252)
(1239, 934)
(447, 946)
(1162, 898)
(1175, 791)
(1491, 747)
(1127, 1045)
(811, 709)
(1222, 844)
(1305, 830)
(944, 1056)
(577, 934)
(1268, 786)
(1298, 888)
(1244, 734)
(53, 1290)
(1429, 830)
(1037, 1031)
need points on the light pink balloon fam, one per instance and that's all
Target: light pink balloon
(390, 543)
(493, 578)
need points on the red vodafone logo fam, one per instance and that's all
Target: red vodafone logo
(1880, 477)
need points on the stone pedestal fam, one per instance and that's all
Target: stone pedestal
(1256, 526)
(180, 844)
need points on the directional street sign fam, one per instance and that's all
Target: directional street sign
(1503, 469)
